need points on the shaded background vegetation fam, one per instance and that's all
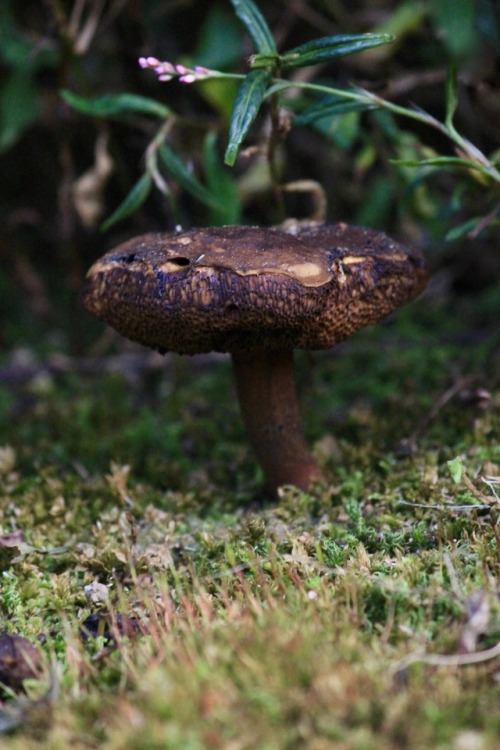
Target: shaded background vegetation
(48, 239)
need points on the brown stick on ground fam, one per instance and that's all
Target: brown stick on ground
(268, 402)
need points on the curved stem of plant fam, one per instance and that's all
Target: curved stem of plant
(268, 401)
(362, 96)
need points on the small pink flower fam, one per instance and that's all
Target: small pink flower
(164, 68)
(166, 71)
(148, 62)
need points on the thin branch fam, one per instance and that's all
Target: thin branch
(449, 660)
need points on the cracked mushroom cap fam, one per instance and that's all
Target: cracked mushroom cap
(236, 288)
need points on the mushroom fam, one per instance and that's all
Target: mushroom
(257, 293)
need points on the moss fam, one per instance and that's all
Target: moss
(262, 623)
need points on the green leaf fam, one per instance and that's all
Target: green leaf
(183, 176)
(221, 183)
(342, 130)
(245, 108)
(220, 94)
(131, 203)
(19, 106)
(115, 104)
(468, 226)
(454, 20)
(451, 94)
(440, 161)
(375, 209)
(456, 468)
(220, 40)
(256, 26)
(405, 18)
(330, 107)
(21, 48)
(330, 47)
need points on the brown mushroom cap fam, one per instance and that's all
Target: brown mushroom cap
(236, 288)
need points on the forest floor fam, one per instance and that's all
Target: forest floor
(171, 604)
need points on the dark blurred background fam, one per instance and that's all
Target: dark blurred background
(50, 220)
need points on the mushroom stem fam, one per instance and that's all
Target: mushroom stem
(268, 401)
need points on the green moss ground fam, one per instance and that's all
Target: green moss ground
(264, 624)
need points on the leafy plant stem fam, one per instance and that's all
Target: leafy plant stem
(478, 159)
(449, 130)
